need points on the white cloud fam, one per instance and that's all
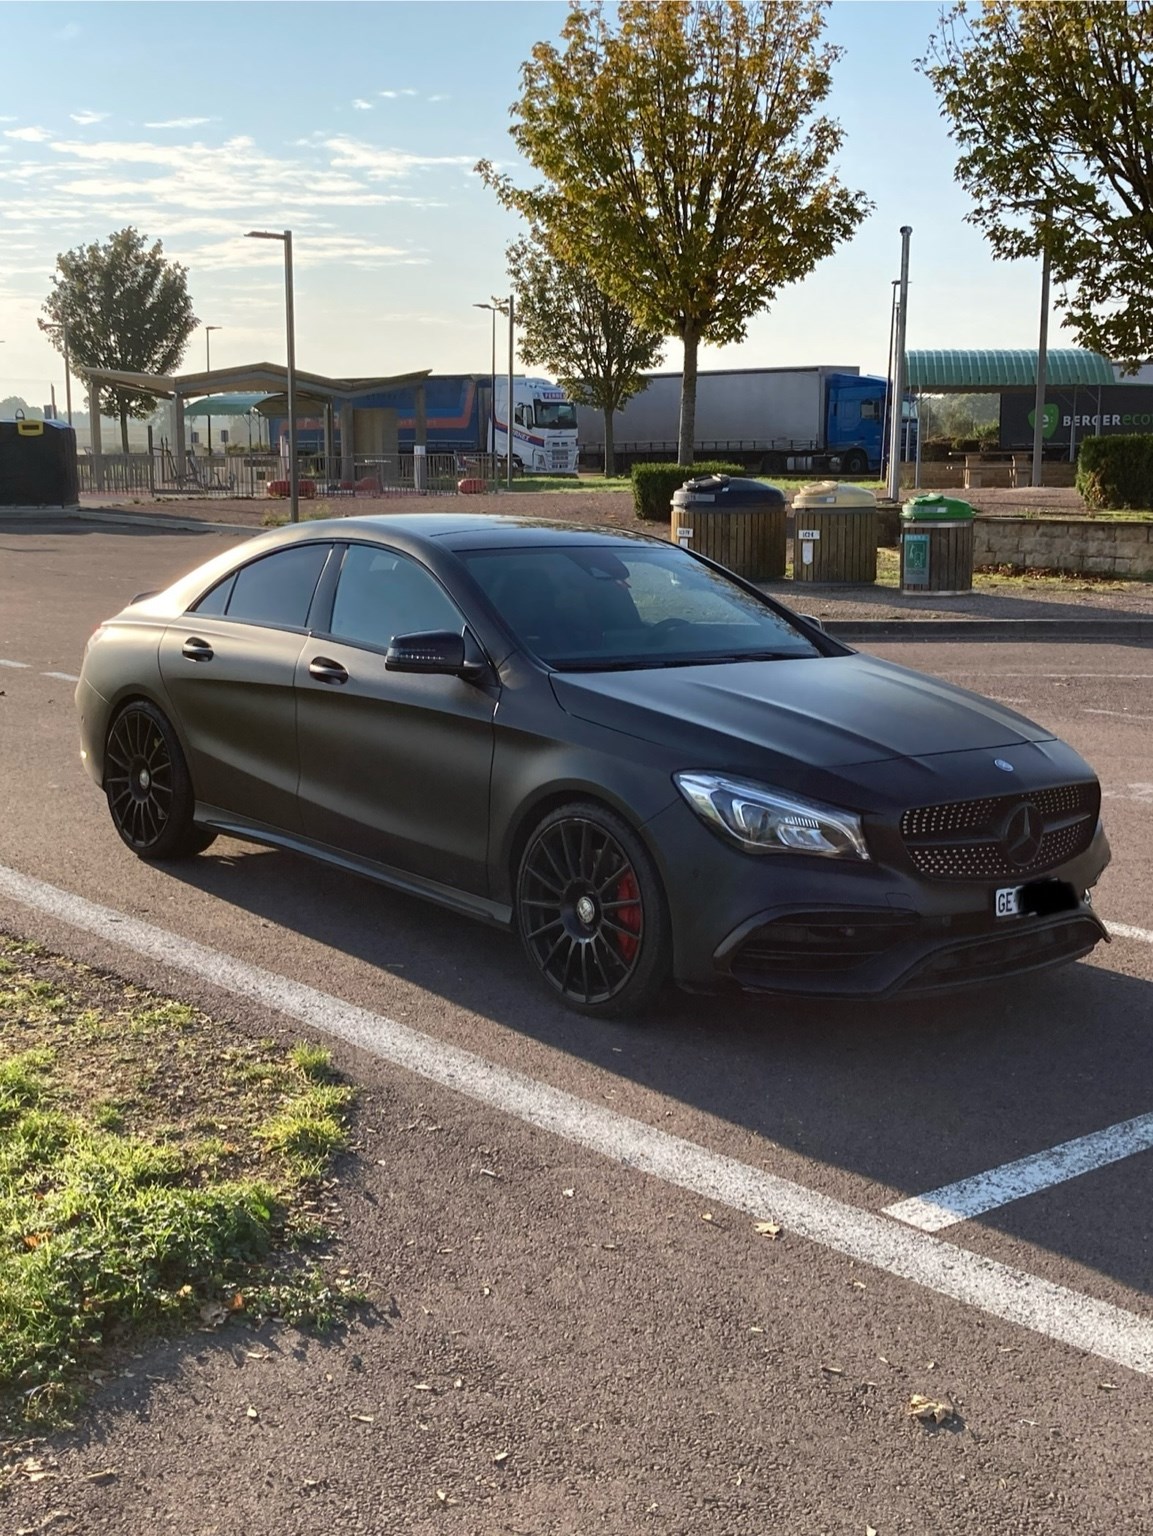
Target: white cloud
(388, 93)
(385, 164)
(28, 135)
(314, 251)
(182, 122)
(85, 118)
(361, 105)
(67, 34)
(440, 98)
(408, 91)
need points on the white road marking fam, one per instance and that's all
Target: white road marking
(1120, 714)
(1142, 793)
(1014, 1295)
(14, 663)
(65, 677)
(1124, 931)
(952, 1203)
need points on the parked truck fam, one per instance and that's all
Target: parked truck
(769, 420)
(463, 418)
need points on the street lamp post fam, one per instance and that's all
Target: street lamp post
(208, 330)
(511, 334)
(290, 327)
(497, 307)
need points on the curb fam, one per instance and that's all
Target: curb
(115, 515)
(1068, 630)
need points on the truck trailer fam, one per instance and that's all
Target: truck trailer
(767, 419)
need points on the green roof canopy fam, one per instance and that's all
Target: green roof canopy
(955, 371)
(227, 405)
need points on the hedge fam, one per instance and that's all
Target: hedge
(1116, 472)
(654, 484)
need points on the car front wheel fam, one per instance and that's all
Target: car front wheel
(591, 913)
(148, 787)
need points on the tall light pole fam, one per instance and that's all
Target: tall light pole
(497, 306)
(1042, 364)
(208, 330)
(511, 333)
(897, 423)
(290, 326)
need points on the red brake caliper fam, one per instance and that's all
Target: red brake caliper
(628, 916)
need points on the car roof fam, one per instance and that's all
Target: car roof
(478, 531)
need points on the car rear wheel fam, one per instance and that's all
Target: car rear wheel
(148, 787)
(591, 913)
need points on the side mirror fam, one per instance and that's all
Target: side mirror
(810, 618)
(441, 652)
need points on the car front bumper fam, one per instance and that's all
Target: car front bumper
(805, 926)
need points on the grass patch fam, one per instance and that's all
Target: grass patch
(156, 1173)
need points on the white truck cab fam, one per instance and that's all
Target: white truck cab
(544, 427)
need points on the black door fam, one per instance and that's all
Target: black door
(229, 667)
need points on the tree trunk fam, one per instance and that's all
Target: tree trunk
(610, 451)
(123, 429)
(691, 341)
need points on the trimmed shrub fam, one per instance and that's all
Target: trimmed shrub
(1117, 472)
(654, 484)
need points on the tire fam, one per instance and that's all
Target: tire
(148, 786)
(591, 913)
(854, 462)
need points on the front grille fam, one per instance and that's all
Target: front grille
(962, 839)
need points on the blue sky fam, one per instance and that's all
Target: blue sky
(357, 126)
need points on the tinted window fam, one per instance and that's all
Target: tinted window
(277, 590)
(381, 594)
(592, 606)
(215, 600)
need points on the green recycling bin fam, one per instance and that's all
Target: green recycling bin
(937, 546)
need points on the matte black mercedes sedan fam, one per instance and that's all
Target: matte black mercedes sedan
(635, 759)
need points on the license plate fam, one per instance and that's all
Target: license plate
(1007, 901)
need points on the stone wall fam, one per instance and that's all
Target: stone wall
(1087, 544)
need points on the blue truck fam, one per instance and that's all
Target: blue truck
(770, 420)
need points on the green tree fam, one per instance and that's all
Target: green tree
(1049, 107)
(684, 162)
(13, 403)
(125, 307)
(570, 327)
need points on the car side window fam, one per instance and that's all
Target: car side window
(381, 594)
(214, 603)
(277, 590)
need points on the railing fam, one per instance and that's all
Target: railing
(245, 475)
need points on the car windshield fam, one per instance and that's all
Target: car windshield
(588, 607)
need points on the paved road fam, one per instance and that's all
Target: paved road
(646, 1358)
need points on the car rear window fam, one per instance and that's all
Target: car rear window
(275, 590)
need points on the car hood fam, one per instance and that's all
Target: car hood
(826, 712)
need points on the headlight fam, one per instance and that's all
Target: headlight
(763, 820)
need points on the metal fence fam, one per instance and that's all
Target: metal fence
(245, 475)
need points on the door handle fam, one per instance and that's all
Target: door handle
(326, 671)
(196, 650)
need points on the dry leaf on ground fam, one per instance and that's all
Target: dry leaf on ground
(767, 1228)
(930, 1410)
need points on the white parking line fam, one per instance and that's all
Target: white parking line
(4, 663)
(65, 677)
(1119, 714)
(952, 1203)
(1124, 931)
(1000, 1290)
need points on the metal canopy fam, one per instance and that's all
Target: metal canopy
(988, 371)
(269, 378)
(227, 405)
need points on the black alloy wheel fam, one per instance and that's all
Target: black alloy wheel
(148, 788)
(591, 913)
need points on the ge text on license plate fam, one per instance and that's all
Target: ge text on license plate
(1007, 901)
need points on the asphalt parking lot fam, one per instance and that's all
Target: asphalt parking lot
(721, 1379)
